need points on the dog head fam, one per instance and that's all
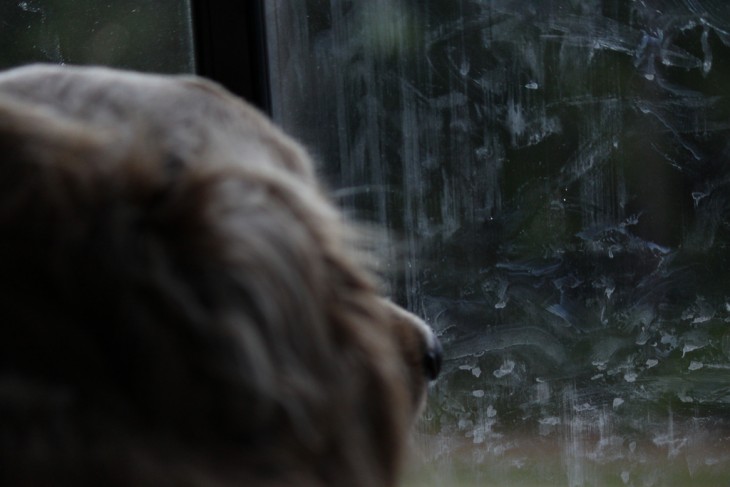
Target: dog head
(181, 304)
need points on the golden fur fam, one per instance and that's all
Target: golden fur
(181, 305)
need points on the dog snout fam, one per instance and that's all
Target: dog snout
(421, 349)
(432, 357)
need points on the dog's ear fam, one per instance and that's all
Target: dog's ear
(44, 164)
(38, 134)
(52, 163)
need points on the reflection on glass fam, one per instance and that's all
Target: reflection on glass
(560, 174)
(133, 34)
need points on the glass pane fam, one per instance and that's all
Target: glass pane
(558, 173)
(145, 35)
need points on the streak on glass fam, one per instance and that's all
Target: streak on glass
(558, 174)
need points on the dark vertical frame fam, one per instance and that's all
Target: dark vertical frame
(230, 40)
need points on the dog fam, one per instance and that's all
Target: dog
(180, 302)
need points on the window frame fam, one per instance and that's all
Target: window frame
(221, 29)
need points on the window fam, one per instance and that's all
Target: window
(558, 174)
(134, 34)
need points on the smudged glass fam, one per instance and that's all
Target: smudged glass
(135, 34)
(558, 175)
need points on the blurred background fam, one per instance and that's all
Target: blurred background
(557, 173)
(146, 35)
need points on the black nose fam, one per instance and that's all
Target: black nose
(432, 359)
